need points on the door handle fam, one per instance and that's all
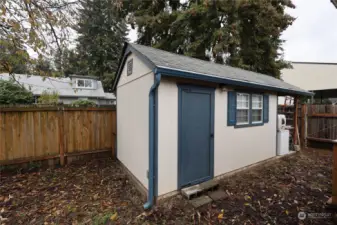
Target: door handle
(212, 135)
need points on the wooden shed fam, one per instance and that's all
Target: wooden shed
(182, 121)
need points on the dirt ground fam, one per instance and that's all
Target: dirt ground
(99, 192)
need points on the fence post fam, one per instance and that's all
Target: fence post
(295, 141)
(304, 126)
(114, 135)
(61, 135)
(333, 200)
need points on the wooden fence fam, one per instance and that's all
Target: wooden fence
(322, 121)
(33, 133)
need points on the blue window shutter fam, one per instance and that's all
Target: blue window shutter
(265, 108)
(231, 111)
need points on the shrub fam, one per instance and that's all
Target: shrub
(83, 102)
(12, 93)
(48, 98)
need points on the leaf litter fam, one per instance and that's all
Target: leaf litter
(99, 192)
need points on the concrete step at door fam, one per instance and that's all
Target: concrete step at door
(199, 189)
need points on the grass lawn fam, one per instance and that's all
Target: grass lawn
(99, 192)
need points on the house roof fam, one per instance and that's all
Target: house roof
(63, 86)
(183, 66)
(314, 63)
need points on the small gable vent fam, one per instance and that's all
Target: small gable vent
(129, 67)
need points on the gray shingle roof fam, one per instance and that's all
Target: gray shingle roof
(164, 59)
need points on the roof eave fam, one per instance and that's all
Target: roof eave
(83, 76)
(204, 77)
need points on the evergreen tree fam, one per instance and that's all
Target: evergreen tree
(43, 68)
(68, 62)
(244, 33)
(262, 23)
(102, 33)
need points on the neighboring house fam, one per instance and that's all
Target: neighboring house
(182, 121)
(321, 78)
(69, 89)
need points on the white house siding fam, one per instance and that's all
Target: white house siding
(311, 76)
(233, 148)
(133, 119)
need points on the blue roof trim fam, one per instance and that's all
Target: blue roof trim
(220, 80)
(127, 50)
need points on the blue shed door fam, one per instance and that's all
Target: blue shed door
(196, 134)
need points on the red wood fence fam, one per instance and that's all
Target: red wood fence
(33, 133)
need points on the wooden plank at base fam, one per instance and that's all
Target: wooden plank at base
(321, 140)
(326, 115)
(87, 152)
(31, 159)
(26, 160)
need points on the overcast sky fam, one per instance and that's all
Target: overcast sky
(312, 37)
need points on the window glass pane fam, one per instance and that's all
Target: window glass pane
(239, 105)
(257, 101)
(242, 116)
(246, 103)
(257, 115)
(80, 83)
(88, 83)
(242, 101)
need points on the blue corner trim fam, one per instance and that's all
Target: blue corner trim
(222, 80)
(265, 108)
(231, 108)
(153, 133)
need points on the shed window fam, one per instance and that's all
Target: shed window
(242, 108)
(257, 108)
(247, 109)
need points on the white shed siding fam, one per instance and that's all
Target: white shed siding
(167, 136)
(238, 147)
(233, 148)
(133, 119)
(139, 69)
(311, 76)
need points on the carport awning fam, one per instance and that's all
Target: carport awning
(328, 93)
